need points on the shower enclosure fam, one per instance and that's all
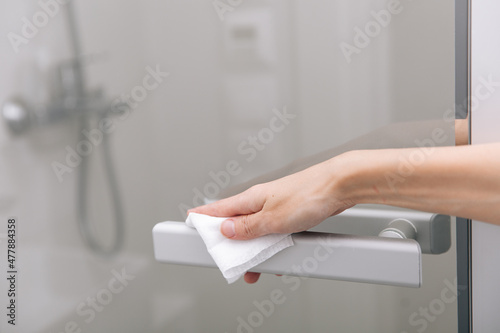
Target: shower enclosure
(118, 115)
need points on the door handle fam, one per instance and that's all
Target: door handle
(395, 259)
(376, 260)
(431, 231)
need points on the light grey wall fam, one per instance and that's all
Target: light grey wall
(484, 129)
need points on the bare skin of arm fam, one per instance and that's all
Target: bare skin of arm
(460, 181)
(461, 132)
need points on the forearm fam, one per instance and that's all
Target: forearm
(461, 181)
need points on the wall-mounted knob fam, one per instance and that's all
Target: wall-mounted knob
(16, 115)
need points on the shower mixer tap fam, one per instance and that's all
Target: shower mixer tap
(70, 99)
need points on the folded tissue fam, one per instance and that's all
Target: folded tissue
(235, 257)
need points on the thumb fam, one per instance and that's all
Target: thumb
(244, 227)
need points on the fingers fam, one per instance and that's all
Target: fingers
(245, 222)
(245, 227)
(248, 202)
(251, 277)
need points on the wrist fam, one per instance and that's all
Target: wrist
(358, 177)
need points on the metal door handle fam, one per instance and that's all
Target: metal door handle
(431, 231)
(395, 260)
(377, 260)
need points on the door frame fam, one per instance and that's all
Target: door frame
(462, 110)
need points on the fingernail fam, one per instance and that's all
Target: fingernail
(227, 228)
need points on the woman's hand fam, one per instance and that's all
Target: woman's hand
(291, 204)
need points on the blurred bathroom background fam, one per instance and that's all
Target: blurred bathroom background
(231, 66)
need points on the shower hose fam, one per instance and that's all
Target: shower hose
(87, 231)
(89, 235)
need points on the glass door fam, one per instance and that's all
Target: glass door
(122, 114)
